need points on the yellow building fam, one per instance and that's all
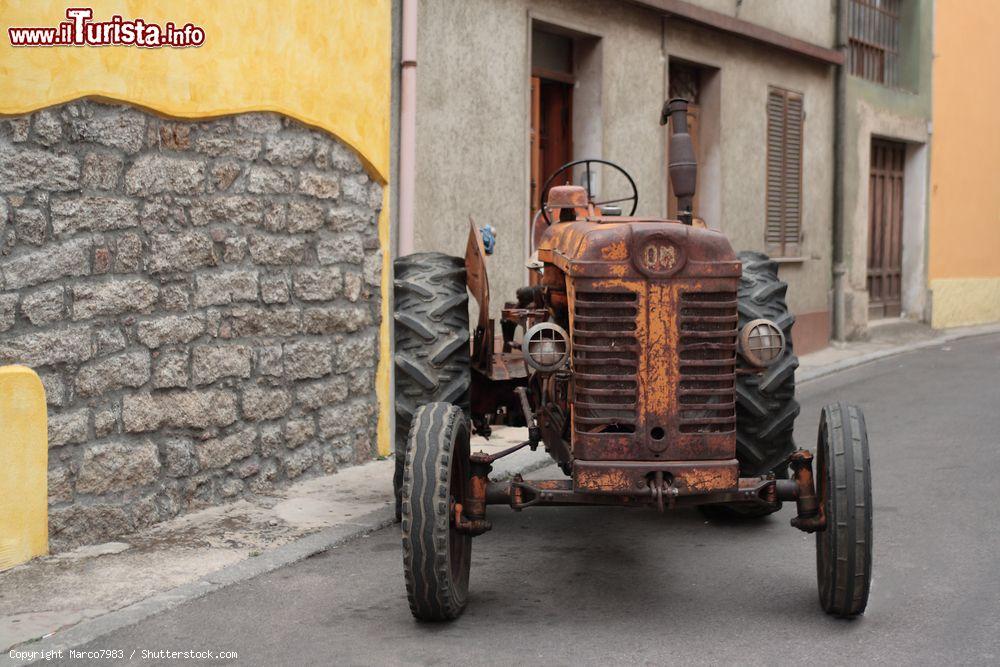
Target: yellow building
(964, 253)
(195, 235)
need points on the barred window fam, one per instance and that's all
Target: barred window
(784, 172)
(874, 40)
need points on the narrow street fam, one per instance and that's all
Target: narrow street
(572, 586)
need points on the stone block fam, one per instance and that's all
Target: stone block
(180, 409)
(319, 284)
(286, 149)
(71, 215)
(242, 321)
(113, 297)
(68, 427)
(319, 184)
(47, 127)
(260, 403)
(154, 173)
(178, 456)
(8, 311)
(225, 287)
(180, 253)
(307, 359)
(101, 171)
(335, 319)
(170, 369)
(304, 216)
(128, 253)
(269, 361)
(210, 363)
(130, 369)
(277, 250)
(299, 431)
(229, 209)
(48, 347)
(24, 169)
(315, 395)
(117, 127)
(263, 180)
(340, 248)
(118, 465)
(219, 452)
(52, 262)
(30, 225)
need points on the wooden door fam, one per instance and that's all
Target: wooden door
(551, 131)
(885, 229)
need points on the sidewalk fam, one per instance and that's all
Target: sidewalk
(84, 593)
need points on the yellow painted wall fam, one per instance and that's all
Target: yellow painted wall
(24, 452)
(964, 247)
(325, 62)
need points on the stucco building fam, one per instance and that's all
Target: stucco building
(964, 269)
(882, 162)
(507, 91)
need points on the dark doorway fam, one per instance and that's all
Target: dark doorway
(885, 228)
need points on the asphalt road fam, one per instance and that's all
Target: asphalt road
(561, 586)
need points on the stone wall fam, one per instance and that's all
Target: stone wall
(200, 300)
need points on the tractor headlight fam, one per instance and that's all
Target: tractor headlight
(546, 347)
(761, 342)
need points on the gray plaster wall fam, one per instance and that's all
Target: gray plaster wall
(473, 118)
(809, 20)
(200, 300)
(744, 73)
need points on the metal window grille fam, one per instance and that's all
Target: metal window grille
(874, 40)
(784, 172)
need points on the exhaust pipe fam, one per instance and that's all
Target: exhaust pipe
(682, 166)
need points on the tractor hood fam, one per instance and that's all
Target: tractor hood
(638, 249)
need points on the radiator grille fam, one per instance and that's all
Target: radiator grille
(706, 393)
(605, 361)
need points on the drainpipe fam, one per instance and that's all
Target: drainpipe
(840, 278)
(407, 127)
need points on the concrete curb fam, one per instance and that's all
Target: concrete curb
(89, 630)
(808, 375)
(335, 536)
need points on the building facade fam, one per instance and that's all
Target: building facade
(882, 163)
(507, 91)
(964, 269)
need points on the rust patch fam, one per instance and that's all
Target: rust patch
(617, 251)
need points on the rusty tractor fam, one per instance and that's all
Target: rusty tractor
(651, 362)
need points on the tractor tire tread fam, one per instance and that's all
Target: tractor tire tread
(432, 591)
(848, 538)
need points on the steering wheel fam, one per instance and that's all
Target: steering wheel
(590, 192)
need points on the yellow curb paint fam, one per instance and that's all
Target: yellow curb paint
(965, 301)
(326, 63)
(383, 389)
(24, 462)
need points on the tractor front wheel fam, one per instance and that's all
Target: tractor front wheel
(436, 556)
(844, 485)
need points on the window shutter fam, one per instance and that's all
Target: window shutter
(784, 172)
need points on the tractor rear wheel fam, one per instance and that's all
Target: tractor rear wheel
(844, 486)
(436, 556)
(765, 403)
(431, 318)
